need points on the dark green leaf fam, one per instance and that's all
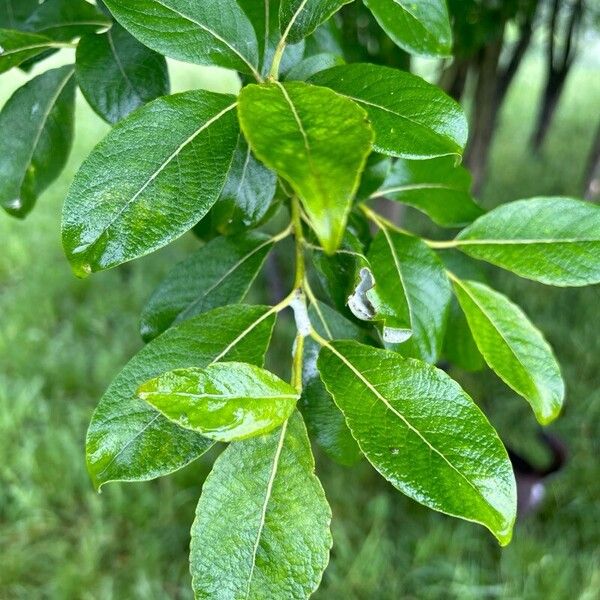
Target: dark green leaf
(552, 240)
(299, 18)
(323, 418)
(247, 195)
(211, 32)
(515, 350)
(411, 295)
(460, 348)
(437, 187)
(128, 440)
(264, 16)
(14, 13)
(262, 524)
(418, 27)
(376, 172)
(37, 132)
(218, 274)
(313, 64)
(317, 140)
(423, 433)
(16, 47)
(117, 74)
(411, 118)
(338, 272)
(134, 195)
(64, 20)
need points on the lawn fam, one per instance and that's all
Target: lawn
(62, 340)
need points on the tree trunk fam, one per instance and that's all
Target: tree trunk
(558, 69)
(592, 173)
(552, 94)
(484, 113)
(454, 78)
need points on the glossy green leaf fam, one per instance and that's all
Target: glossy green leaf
(312, 65)
(376, 172)
(324, 420)
(514, 349)
(17, 46)
(411, 294)
(299, 18)
(211, 32)
(133, 195)
(117, 74)
(460, 349)
(64, 20)
(338, 272)
(317, 140)
(437, 187)
(224, 402)
(421, 27)
(423, 433)
(14, 13)
(218, 274)
(128, 440)
(247, 195)
(37, 132)
(552, 240)
(411, 118)
(262, 523)
(264, 16)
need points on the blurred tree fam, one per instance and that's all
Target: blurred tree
(564, 26)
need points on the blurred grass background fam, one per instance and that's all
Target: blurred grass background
(63, 340)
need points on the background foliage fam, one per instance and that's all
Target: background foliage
(59, 539)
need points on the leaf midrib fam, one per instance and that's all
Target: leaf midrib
(150, 395)
(521, 241)
(263, 514)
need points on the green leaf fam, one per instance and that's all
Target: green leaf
(64, 20)
(411, 118)
(206, 33)
(37, 132)
(411, 295)
(128, 440)
(418, 27)
(14, 13)
(299, 18)
(460, 349)
(317, 140)
(117, 74)
(218, 274)
(16, 47)
(423, 433)
(312, 65)
(224, 402)
(262, 524)
(133, 195)
(338, 272)
(247, 195)
(552, 240)
(376, 172)
(437, 187)
(513, 348)
(323, 418)
(264, 16)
